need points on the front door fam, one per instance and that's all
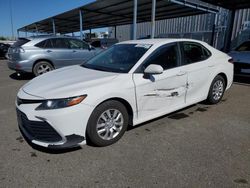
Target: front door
(159, 94)
(80, 51)
(60, 52)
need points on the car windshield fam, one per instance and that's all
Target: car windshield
(118, 58)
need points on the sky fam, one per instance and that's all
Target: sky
(25, 12)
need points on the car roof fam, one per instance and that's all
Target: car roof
(49, 36)
(159, 41)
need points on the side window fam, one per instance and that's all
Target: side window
(166, 56)
(244, 47)
(60, 43)
(193, 53)
(44, 44)
(77, 44)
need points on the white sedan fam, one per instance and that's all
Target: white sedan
(130, 83)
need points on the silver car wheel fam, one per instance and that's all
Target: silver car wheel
(109, 124)
(43, 68)
(218, 89)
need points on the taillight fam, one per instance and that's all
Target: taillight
(231, 61)
(18, 50)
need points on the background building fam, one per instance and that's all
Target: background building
(199, 27)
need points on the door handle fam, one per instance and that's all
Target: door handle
(74, 51)
(211, 65)
(49, 51)
(181, 73)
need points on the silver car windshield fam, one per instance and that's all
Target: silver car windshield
(118, 58)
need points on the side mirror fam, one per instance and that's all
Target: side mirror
(154, 69)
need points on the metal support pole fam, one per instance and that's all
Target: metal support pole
(18, 34)
(153, 19)
(90, 33)
(11, 21)
(212, 42)
(229, 31)
(54, 27)
(81, 27)
(135, 20)
(115, 32)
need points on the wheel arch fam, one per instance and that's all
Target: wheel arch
(47, 60)
(224, 76)
(127, 106)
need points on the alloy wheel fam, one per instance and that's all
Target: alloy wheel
(218, 89)
(109, 124)
(43, 68)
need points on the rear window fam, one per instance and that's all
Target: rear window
(20, 42)
(44, 44)
(194, 52)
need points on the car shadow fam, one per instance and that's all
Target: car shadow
(21, 76)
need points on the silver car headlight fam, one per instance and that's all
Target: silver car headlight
(60, 103)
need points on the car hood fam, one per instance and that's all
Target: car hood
(66, 82)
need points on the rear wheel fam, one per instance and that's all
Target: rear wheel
(107, 123)
(217, 89)
(42, 67)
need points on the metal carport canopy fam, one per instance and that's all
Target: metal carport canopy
(230, 4)
(109, 13)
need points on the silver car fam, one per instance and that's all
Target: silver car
(39, 55)
(241, 57)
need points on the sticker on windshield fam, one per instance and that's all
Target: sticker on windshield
(146, 46)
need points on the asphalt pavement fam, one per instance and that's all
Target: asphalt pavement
(200, 146)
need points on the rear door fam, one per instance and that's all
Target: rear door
(80, 51)
(162, 93)
(60, 52)
(197, 64)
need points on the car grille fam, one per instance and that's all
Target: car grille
(37, 130)
(27, 101)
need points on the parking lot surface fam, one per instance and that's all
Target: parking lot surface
(200, 146)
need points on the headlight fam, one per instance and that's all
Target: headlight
(60, 103)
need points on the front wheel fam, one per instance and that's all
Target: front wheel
(107, 123)
(216, 90)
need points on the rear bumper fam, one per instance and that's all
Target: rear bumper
(20, 66)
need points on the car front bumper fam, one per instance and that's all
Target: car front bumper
(55, 129)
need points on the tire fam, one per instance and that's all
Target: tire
(42, 67)
(104, 126)
(216, 90)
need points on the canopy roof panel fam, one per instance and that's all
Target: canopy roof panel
(108, 13)
(230, 4)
